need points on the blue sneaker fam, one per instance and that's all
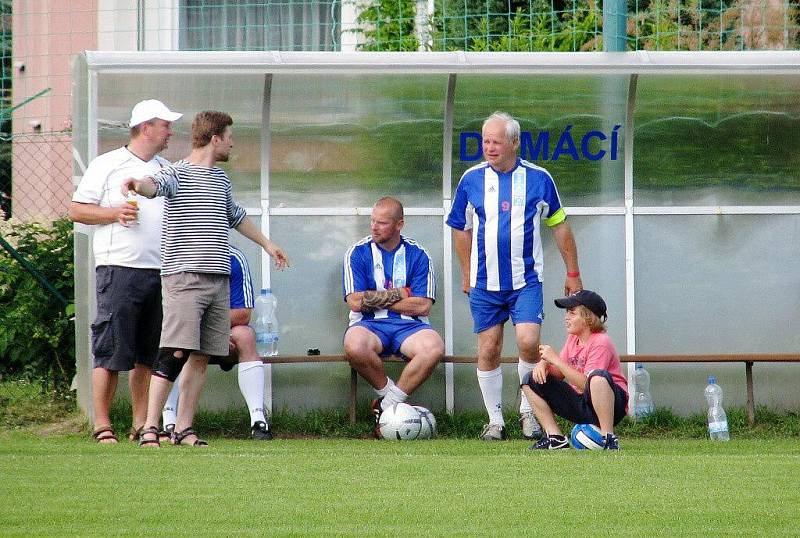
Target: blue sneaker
(612, 442)
(551, 442)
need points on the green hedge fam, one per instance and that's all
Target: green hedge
(37, 334)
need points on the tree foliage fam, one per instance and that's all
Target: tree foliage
(577, 25)
(37, 335)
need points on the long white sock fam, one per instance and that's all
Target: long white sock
(169, 415)
(251, 383)
(386, 388)
(522, 369)
(491, 384)
(394, 396)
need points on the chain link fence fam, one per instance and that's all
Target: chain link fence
(36, 176)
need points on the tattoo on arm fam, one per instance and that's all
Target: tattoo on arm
(377, 300)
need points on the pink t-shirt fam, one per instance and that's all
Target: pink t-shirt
(598, 354)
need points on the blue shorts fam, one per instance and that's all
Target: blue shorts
(490, 308)
(392, 332)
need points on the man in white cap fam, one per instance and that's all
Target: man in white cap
(126, 331)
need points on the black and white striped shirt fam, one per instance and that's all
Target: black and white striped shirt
(199, 211)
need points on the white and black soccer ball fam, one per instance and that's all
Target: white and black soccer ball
(428, 423)
(587, 437)
(400, 422)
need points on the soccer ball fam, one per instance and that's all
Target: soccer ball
(400, 422)
(587, 437)
(428, 429)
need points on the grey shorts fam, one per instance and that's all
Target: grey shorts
(196, 312)
(128, 324)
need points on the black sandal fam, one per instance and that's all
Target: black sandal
(98, 436)
(180, 436)
(152, 430)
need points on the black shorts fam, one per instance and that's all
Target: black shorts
(226, 363)
(127, 328)
(566, 402)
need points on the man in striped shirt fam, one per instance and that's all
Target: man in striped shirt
(199, 210)
(496, 219)
(242, 351)
(389, 286)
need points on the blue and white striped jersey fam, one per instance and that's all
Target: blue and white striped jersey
(503, 210)
(242, 295)
(369, 267)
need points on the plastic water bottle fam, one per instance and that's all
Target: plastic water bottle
(717, 419)
(266, 324)
(642, 402)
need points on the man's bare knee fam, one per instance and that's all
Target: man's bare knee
(355, 347)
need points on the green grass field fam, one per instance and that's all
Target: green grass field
(68, 486)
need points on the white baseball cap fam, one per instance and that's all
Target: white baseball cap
(150, 109)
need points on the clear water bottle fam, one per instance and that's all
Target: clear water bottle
(266, 324)
(642, 402)
(717, 419)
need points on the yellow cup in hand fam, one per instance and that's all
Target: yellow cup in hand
(133, 202)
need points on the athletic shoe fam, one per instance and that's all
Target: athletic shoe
(551, 442)
(261, 432)
(493, 432)
(376, 414)
(530, 426)
(612, 442)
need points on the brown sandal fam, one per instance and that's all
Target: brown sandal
(152, 430)
(135, 434)
(180, 436)
(98, 436)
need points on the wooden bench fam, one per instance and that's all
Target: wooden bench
(747, 359)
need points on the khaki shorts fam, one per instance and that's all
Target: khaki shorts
(196, 312)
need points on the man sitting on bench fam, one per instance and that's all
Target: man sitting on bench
(389, 286)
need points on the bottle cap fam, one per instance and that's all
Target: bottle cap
(639, 366)
(265, 291)
(712, 380)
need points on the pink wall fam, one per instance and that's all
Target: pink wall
(46, 34)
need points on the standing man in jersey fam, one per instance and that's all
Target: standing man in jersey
(242, 352)
(389, 286)
(199, 211)
(496, 218)
(126, 239)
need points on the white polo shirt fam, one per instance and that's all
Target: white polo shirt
(137, 245)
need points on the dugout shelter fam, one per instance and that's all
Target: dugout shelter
(680, 173)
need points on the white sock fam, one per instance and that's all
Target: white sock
(394, 396)
(251, 383)
(170, 413)
(491, 384)
(522, 369)
(386, 388)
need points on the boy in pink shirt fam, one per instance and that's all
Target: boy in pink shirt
(584, 384)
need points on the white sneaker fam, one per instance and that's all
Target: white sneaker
(530, 426)
(493, 432)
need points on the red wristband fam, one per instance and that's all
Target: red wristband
(408, 289)
(573, 274)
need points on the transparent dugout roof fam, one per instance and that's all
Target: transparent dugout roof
(709, 128)
(717, 140)
(350, 139)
